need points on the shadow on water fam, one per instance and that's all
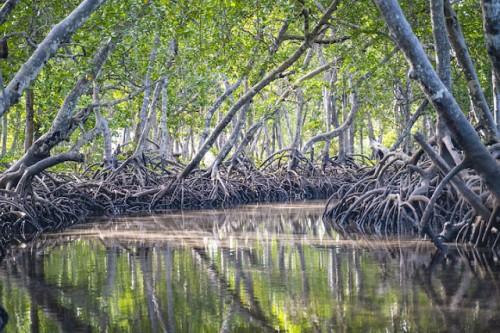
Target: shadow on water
(254, 268)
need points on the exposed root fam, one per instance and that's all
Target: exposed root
(142, 184)
(419, 196)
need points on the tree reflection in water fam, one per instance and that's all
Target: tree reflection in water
(255, 268)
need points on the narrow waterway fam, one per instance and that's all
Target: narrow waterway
(248, 269)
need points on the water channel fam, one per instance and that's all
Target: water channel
(260, 268)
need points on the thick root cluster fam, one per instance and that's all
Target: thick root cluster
(392, 198)
(142, 185)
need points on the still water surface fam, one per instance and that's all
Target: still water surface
(266, 268)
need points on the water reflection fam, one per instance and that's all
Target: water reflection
(256, 268)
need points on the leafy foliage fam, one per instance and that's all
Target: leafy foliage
(223, 41)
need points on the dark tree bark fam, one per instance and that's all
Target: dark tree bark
(44, 164)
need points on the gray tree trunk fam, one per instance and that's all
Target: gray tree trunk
(47, 49)
(329, 101)
(215, 107)
(155, 130)
(288, 125)
(126, 136)
(255, 141)
(266, 149)
(425, 127)
(231, 141)
(4, 134)
(6, 9)
(441, 42)
(185, 147)
(147, 92)
(106, 133)
(294, 161)
(279, 133)
(165, 147)
(164, 140)
(361, 138)
(350, 146)
(480, 106)
(476, 154)
(29, 130)
(380, 130)
(16, 121)
(353, 101)
(103, 128)
(430, 124)
(369, 126)
(337, 131)
(419, 112)
(496, 100)
(443, 68)
(64, 124)
(273, 136)
(143, 139)
(402, 105)
(248, 138)
(491, 25)
(222, 136)
(341, 154)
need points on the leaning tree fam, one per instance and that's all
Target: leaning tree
(432, 190)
